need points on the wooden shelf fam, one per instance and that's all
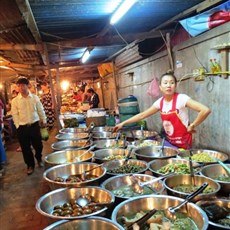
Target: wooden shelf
(218, 73)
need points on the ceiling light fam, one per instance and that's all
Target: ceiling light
(124, 7)
(85, 56)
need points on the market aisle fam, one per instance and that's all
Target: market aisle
(19, 192)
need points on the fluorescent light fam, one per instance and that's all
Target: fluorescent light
(85, 56)
(124, 7)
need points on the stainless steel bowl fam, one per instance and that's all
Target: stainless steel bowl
(215, 155)
(47, 202)
(111, 154)
(186, 179)
(125, 181)
(73, 130)
(113, 164)
(71, 136)
(104, 135)
(156, 165)
(66, 157)
(102, 129)
(91, 223)
(134, 135)
(68, 144)
(153, 152)
(213, 171)
(140, 143)
(219, 202)
(159, 202)
(110, 143)
(64, 171)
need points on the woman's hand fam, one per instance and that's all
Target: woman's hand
(191, 129)
(117, 127)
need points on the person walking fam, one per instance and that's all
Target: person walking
(28, 115)
(48, 104)
(173, 108)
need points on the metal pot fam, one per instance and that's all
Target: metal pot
(90, 223)
(67, 156)
(73, 130)
(186, 179)
(159, 202)
(71, 136)
(69, 144)
(103, 135)
(213, 171)
(153, 152)
(63, 171)
(110, 143)
(47, 202)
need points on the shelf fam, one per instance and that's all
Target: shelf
(221, 47)
(218, 73)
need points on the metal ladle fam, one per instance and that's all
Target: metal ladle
(83, 175)
(138, 186)
(78, 158)
(83, 201)
(169, 212)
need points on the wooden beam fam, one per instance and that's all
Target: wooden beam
(207, 4)
(31, 47)
(108, 40)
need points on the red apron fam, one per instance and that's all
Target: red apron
(176, 131)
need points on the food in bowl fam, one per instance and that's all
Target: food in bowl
(218, 212)
(202, 157)
(126, 168)
(179, 168)
(71, 208)
(160, 221)
(76, 178)
(189, 188)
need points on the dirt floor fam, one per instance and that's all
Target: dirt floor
(20, 192)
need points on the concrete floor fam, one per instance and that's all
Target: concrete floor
(20, 192)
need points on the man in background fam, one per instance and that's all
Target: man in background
(28, 114)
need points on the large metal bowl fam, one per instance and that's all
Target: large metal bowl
(215, 155)
(71, 136)
(110, 144)
(153, 152)
(219, 202)
(111, 154)
(102, 129)
(126, 181)
(64, 171)
(159, 202)
(103, 135)
(66, 157)
(132, 135)
(68, 144)
(73, 130)
(213, 171)
(156, 165)
(186, 179)
(47, 202)
(113, 164)
(90, 223)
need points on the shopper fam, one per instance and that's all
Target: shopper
(2, 148)
(93, 98)
(28, 115)
(173, 108)
(48, 104)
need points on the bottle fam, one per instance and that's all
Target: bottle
(213, 67)
(217, 66)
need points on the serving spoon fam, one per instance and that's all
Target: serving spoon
(83, 201)
(169, 212)
(138, 186)
(78, 158)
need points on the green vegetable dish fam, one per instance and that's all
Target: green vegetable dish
(224, 178)
(188, 188)
(126, 168)
(159, 221)
(177, 168)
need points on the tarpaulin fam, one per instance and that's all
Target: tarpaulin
(207, 20)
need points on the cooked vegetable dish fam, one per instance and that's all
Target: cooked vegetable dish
(223, 177)
(188, 188)
(159, 221)
(75, 178)
(202, 157)
(179, 168)
(126, 168)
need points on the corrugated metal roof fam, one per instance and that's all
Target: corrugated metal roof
(68, 27)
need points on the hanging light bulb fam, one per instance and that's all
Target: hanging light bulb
(85, 56)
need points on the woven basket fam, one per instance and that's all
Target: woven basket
(98, 121)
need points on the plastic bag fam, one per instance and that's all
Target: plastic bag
(44, 134)
(154, 90)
